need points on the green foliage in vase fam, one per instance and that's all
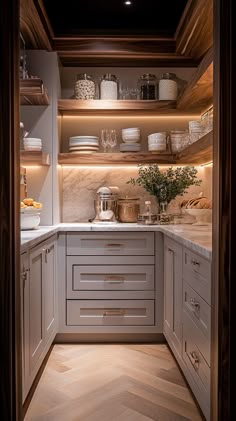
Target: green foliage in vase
(168, 184)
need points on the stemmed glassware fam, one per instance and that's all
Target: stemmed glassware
(108, 139)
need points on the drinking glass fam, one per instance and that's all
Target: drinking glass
(105, 139)
(112, 141)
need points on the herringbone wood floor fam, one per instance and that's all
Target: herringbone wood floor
(110, 383)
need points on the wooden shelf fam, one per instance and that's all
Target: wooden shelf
(115, 158)
(199, 152)
(34, 158)
(198, 95)
(32, 92)
(101, 107)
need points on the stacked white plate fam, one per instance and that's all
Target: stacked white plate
(131, 139)
(157, 142)
(83, 144)
(32, 144)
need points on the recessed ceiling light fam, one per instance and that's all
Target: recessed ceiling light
(128, 3)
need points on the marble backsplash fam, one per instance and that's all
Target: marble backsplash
(79, 186)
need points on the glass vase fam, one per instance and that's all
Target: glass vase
(163, 216)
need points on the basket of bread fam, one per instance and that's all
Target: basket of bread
(199, 207)
(30, 213)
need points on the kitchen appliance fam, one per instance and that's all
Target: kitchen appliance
(106, 205)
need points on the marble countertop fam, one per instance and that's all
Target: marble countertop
(197, 238)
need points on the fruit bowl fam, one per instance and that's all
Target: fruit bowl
(203, 216)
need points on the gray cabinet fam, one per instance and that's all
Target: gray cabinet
(39, 307)
(173, 294)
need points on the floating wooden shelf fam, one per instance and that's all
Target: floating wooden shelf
(32, 92)
(199, 152)
(99, 106)
(34, 158)
(115, 158)
(198, 95)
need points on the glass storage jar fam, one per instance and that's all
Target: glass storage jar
(168, 87)
(109, 87)
(85, 87)
(128, 209)
(147, 85)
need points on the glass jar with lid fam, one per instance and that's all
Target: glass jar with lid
(147, 85)
(85, 87)
(109, 86)
(128, 209)
(168, 87)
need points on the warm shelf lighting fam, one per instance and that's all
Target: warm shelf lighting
(207, 164)
(126, 166)
(138, 117)
(128, 3)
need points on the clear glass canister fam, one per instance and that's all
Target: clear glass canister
(168, 87)
(85, 87)
(147, 85)
(109, 87)
(128, 209)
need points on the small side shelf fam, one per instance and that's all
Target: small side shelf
(33, 92)
(125, 158)
(199, 152)
(34, 158)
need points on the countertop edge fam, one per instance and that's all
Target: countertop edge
(30, 239)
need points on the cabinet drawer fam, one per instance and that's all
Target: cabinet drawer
(197, 272)
(112, 243)
(108, 278)
(201, 342)
(110, 312)
(198, 310)
(194, 359)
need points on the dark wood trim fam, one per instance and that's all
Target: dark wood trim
(10, 332)
(194, 34)
(35, 35)
(33, 92)
(198, 95)
(224, 236)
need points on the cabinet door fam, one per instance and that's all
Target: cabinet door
(25, 323)
(36, 311)
(49, 293)
(173, 294)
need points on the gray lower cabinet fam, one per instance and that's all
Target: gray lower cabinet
(39, 307)
(111, 280)
(173, 328)
(187, 316)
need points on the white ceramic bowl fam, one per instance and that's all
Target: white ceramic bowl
(203, 216)
(29, 220)
(156, 142)
(32, 139)
(157, 148)
(157, 136)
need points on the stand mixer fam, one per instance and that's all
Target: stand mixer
(106, 205)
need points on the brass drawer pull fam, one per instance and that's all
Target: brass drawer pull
(115, 312)
(195, 304)
(114, 245)
(194, 360)
(114, 279)
(195, 262)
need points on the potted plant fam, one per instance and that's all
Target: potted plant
(165, 185)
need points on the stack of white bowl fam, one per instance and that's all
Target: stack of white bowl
(83, 144)
(131, 139)
(157, 142)
(32, 144)
(179, 140)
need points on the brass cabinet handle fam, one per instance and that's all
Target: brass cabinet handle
(114, 312)
(194, 359)
(114, 245)
(195, 262)
(116, 279)
(195, 304)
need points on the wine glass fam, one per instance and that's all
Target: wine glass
(112, 140)
(105, 139)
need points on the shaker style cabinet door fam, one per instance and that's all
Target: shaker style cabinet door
(36, 310)
(50, 305)
(173, 294)
(25, 322)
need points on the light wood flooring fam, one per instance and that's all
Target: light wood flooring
(106, 382)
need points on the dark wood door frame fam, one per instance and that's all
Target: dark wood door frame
(10, 395)
(224, 235)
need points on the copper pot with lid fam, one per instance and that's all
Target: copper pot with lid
(128, 209)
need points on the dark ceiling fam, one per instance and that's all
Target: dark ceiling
(114, 18)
